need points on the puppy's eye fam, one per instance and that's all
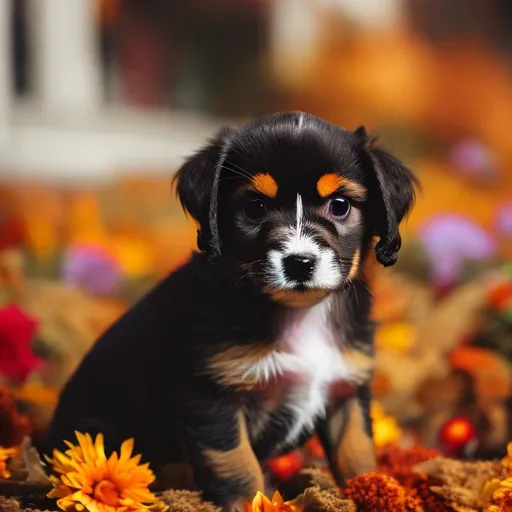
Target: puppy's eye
(254, 209)
(339, 207)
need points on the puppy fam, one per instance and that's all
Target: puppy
(264, 337)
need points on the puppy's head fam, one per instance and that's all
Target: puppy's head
(293, 202)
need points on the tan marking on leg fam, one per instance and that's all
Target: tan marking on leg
(335, 426)
(361, 365)
(356, 261)
(355, 451)
(238, 463)
(231, 367)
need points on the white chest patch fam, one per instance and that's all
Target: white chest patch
(307, 361)
(312, 342)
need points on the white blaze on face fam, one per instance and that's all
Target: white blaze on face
(298, 226)
(326, 274)
(300, 123)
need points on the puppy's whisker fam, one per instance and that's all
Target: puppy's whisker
(248, 270)
(235, 165)
(242, 154)
(241, 172)
(240, 169)
(365, 287)
(236, 172)
(351, 286)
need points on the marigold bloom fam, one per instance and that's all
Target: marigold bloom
(374, 492)
(398, 462)
(261, 503)
(86, 480)
(498, 495)
(5, 455)
(421, 487)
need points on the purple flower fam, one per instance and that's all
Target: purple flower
(91, 268)
(473, 159)
(449, 240)
(504, 219)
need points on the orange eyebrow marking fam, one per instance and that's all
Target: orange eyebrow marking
(265, 184)
(331, 182)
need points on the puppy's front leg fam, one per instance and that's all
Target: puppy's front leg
(225, 467)
(347, 437)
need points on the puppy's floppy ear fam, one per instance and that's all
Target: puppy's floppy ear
(196, 186)
(391, 188)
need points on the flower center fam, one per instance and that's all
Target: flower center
(106, 492)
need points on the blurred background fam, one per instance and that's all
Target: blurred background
(100, 101)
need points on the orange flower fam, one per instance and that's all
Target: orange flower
(421, 486)
(498, 495)
(395, 459)
(5, 455)
(374, 492)
(398, 462)
(87, 480)
(261, 503)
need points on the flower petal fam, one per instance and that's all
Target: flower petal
(261, 503)
(99, 447)
(127, 449)
(277, 499)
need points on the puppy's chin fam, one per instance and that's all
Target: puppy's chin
(298, 298)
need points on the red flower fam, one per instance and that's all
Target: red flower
(12, 233)
(455, 435)
(285, 466)
(500, 295)
(17, 331)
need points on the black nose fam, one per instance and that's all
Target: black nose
(299, 267)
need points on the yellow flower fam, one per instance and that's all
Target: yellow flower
(385, 428)
(261, 503)
(497, 495)
(488, 490)
(397, 336)
(5, 455)
(86, 480)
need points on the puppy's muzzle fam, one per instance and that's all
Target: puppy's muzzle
(299, 267)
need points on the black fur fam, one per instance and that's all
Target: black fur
(197, 183)
(147, 377)
(392, 189)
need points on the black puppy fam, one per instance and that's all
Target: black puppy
(264, 336)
